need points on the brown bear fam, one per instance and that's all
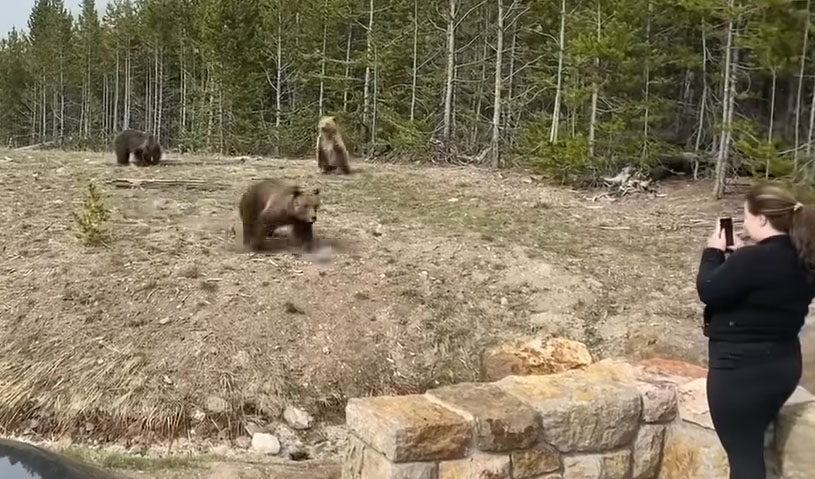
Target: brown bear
(269, 204)
(332, 155)
(144, 146)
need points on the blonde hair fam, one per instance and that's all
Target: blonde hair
(787, 215)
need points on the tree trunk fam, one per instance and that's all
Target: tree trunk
(322, 64)
(128, 91)
(479, 89)
(647, 75)
(451, 59)
(727, 105)
(160, 102)
(116, 93)
(496, 107)
(510, 82)
(799, 91)
(595, 92)
(347, 68)
(366, 101)
(374, 100)
(553, 133)
(808, 148)
(414, 72)
(772, 107)
(278, 81)
(703, 101)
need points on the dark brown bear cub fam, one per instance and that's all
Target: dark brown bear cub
(144, 146)
(268, 204)
(332, 155)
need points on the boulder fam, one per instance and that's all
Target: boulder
(297, 418)
(408, 428)
(611, 465)
(265, 443)
(377, 466)
(500, 422)
(648, 451)
(580, 413)
(535, 462)
(537, 356)
(479, 465)
(795, 435)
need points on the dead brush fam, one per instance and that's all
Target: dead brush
(91, 218)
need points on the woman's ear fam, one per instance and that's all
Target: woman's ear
(762, 220)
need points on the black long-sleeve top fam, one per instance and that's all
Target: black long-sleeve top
(761, 293)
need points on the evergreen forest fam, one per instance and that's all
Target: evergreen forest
(574, 88)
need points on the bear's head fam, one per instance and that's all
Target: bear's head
(327, 125)
(304, 205)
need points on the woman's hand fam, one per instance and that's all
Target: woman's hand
(717, 239)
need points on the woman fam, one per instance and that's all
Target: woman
(755, 304)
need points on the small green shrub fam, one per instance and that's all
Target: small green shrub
(91, 218)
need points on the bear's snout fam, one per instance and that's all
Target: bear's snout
(313, 219)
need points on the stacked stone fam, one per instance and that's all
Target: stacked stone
(570, 425)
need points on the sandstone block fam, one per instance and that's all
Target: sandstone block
(479, 465)
(611, 465)
(536, 356)
(795, 435)
(533, 463)
(659, 401)
(352, 458)
(501, 422)
(648, 451)
(580, 413)
(692, 451)
(408, 428)
(377, 466)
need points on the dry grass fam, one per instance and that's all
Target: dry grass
(421, 269)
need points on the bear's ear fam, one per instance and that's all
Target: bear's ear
(316, 191)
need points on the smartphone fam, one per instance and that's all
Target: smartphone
(727, 226)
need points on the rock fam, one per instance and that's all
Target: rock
(216, 405)
(376, 466)
(353, 455)
(408, 428)
(648, 451)
(794, 437)
(297, 418)
(535, 357)
(580, 413)
(243, 442)
(479, 465)
(659, 401)
(535, 462)
(692, 451)
(500, 422)
(612, 465)
(265, 444)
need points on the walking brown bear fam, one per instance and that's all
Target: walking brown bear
(269, 204)
(144, 146)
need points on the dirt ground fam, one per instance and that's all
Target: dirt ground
(419, 270)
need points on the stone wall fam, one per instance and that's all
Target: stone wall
(610, 420)
(588, 424)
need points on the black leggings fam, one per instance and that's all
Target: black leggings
(746, 387)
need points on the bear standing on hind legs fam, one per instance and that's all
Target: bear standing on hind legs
(268, 204)
(332, 155)
(144, 146)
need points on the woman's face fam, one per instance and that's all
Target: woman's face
(753, 224)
